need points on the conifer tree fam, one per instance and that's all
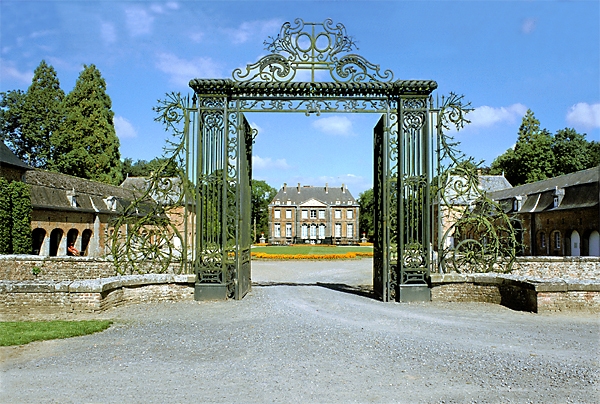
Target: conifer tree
(29, 120)
(87, 145)
(42, 115)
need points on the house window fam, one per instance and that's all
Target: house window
(322, 231)
(321, 214)
(277, 214)
(543, 239)
(288, 230)
(313, 214)
(556, 201)
(289, 202)
(338, 214)
(349, 230)
(304, 231)
(277, 202)
(349, 214)
(288, 214)
(338, 230)
(557, 240)
(313, 231)
(305, 214)
(277, 230)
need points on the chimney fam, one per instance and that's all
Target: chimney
(326, 188)
(284, 187)
(298, 187)
(343, 188)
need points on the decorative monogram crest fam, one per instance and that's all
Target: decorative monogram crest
(313, 48)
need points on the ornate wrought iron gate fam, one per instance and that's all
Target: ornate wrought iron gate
(222, 162)
(220, 170)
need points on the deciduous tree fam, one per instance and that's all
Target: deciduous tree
(262, 195)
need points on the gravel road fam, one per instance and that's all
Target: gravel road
(301, 336)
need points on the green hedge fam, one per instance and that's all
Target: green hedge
(5, 218)
(15, 218)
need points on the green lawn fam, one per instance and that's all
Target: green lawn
(24, 332)
(310, 249)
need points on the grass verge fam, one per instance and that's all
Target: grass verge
(24, 332)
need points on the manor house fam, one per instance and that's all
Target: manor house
(316, 215)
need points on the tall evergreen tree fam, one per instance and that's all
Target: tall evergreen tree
(42, 115)
(11, 130)
(30, 119)
(87, 145)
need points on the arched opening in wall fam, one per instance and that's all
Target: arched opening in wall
(594, 243)
(37, 240)
(575, 244)
(86, 236)
(55, 238)
(71, 239)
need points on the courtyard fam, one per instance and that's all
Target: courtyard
(310, 332)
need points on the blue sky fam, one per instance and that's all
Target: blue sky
(504, 56)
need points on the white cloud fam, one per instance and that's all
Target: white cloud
(182, 71)
(254, 29)
(139, 21)
(260, 163)
(584, 115)
(528, 25)
(124, 128)
(108, 32)
(334, 125)
(485, 116)
(9, 71)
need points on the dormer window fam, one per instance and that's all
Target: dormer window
(111, 203)
(559, 194)
(517, 202)
(72, 197)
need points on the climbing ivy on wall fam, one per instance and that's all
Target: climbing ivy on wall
(21, 217)
(15, 218)
(5, 218)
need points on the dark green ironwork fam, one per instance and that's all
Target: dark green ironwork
(412, 165)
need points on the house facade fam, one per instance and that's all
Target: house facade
(559, 216)
(313, 215)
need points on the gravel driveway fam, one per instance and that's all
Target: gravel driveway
(293, 340)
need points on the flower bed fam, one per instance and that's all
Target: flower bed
(345, 256)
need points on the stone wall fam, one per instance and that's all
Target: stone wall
(517, 292)
(51, 299)
(21, 268)
(558, 267)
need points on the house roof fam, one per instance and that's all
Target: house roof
(577, 190)
(9, 159)
(457, 194)
(327, 195)
(588, 176)
(51, 190)
(169, 193)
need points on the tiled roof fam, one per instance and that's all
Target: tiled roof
(327, 195)
(9, 159)
(581, 190)
(51, 190)
(487, 183)
(588, 176)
